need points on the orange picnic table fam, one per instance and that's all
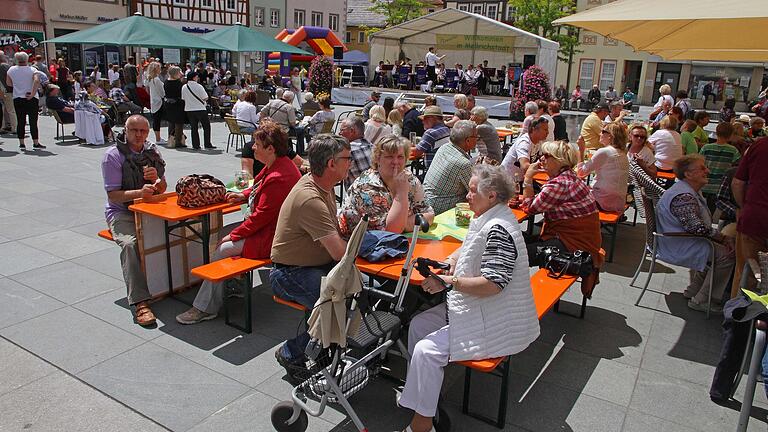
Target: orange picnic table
(166, 208)
(665, 175)
(390, 269)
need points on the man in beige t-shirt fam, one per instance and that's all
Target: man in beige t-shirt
(593, 125)
(307, 242)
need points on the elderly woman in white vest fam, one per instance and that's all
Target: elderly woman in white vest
(489, 310)
(682, 209)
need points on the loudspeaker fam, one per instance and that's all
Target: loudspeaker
(338, 53)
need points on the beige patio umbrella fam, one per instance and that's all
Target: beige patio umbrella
(683, 29)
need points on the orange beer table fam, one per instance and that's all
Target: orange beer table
(189, 225)
(390, 269)
(665, 175)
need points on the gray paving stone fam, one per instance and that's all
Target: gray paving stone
(16, 257)
(18, 367)
(68, 282)
(279, 388)
(69, 217)
(247, 358)
(604, 379)
(70, 339)
(29, 187)
(250, 413)
(106, 261)
(112, 307)
(59, 402)
(164, 386)
(25, 204)
(19, 303)
(67, 244)
(668, 398)
(680, 361)
(67, 198)
(687, 327)
(640, 422)
(15, 227)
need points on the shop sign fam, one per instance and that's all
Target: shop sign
(102, 19)
(196, 29)
(15, 41)
(475, 42)
(73, 17)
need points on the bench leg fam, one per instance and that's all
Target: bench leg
(467, 384)
(247, 287)
(502, 372)
(502, 417)
(613, 240)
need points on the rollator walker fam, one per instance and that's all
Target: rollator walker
(333, 375)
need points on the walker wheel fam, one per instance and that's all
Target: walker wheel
(282, 412)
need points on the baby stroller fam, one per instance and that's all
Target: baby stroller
(333, 375)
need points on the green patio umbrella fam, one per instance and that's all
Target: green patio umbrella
(136, 30)
(240, 38)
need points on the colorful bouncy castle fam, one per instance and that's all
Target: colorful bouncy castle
(320, 39)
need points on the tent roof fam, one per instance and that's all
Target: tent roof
(245, 39)
(136, 30)
(355, 56)
(682, 29)
(434, 22)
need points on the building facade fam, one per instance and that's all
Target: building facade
(360, 19)
(68, 16)
(605, 61)
(498, 10)
(198, 16)
(317, 13)
(22, 26)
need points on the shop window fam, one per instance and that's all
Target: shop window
(726, 81)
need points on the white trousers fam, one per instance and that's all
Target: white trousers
(429, 345)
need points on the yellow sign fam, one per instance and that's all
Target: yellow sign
(475, 42)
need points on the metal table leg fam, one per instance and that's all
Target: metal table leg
(749, 391)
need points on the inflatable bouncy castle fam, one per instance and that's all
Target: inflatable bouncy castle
(320, 39)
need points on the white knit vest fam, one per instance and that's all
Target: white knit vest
(498, 325)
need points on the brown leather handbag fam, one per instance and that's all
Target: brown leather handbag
(200, 190)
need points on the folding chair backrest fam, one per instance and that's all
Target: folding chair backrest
(232, 125)
(56, 116)
(650, 219)
(421, 76)
(262, 97)
(403, 74)
(328, 126)
(309, 111)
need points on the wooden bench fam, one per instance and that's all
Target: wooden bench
(610, 221)
(228, 268)
(106, 234)
(546, 295)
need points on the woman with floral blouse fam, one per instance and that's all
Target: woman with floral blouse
(388, 193)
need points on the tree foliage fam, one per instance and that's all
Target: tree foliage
(536, 16)
(399, 11)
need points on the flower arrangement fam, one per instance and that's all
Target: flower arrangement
(535, 86)
(321, 75)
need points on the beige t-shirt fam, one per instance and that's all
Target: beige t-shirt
(307, 215)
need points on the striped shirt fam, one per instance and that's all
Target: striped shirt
(432, 140)
(719, 158)
(499, 256)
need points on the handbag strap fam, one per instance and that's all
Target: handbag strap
(193, 93)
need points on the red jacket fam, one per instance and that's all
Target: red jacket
(272, 186)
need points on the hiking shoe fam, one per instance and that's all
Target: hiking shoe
(296, 369)
(714, 309)
(194, 316)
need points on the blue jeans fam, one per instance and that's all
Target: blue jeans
(301, 285)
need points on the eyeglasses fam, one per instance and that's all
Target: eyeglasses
(639, 136)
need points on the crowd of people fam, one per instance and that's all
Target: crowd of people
(293, 218)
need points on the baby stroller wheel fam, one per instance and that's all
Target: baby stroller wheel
(282, 412)
(441, 421)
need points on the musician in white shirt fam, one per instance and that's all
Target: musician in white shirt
(432, 60)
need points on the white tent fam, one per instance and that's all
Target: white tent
(464, 38)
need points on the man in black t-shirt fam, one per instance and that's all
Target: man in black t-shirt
(54, 101)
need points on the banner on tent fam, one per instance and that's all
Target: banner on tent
(475, 42)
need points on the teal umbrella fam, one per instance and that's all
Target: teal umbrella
(139, 31)
(240, 38)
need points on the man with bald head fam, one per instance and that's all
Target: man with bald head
(132, 168)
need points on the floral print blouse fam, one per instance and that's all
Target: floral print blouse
(369, 195)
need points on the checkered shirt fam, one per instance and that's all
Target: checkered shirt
(563, 197)
(447, 179)
(361, 160)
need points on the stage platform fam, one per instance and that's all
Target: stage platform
(497, 106)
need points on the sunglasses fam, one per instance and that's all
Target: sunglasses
(639, 136)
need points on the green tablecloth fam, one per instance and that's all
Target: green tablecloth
(445, 225)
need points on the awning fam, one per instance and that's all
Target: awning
(240, 38)
(683, 29)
